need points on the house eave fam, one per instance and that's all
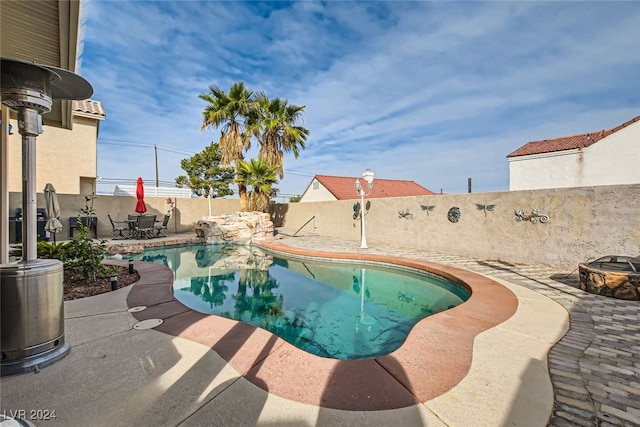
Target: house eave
(544, 155)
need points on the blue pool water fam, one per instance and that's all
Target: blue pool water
(332, 309)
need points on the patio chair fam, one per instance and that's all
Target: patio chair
(146, 226)
(162, 227)
(117, 227)
(132, 220)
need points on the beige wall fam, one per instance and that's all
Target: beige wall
(64, 157)
(584, 223)
(320, 194)
(186, 213)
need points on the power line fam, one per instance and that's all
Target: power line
(122, 142)
(295, 172)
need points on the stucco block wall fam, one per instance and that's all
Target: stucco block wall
(62, 156)
(186, 212)
(585, 223)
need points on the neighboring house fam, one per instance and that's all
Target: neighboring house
(66, 158)
(606, 157)
(326, 188)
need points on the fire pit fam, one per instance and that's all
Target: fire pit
(613, 276)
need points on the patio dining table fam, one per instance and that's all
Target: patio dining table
(136, 232)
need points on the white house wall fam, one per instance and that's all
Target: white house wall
(548, 170)
(320, 194)
(615, 159)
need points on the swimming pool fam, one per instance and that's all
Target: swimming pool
(341, 310)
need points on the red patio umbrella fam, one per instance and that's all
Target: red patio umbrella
(140, 206)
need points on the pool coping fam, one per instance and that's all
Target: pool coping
(436, 356)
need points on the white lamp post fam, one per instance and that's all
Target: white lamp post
(368, 177)
(209, 200)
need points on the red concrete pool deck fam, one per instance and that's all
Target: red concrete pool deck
(436, 356)
(479, 364)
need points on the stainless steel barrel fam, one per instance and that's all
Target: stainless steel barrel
(31, 315)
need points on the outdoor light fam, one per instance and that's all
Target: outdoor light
(31, 295)
(368, 177)
(114, 282)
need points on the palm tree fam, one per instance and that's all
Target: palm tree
(230, 111)
(261, 177)
(274, 124)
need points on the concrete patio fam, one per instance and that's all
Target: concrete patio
(121, 373)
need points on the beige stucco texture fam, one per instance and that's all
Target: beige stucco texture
(584, 223)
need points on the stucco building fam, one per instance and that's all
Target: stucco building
(324, 188)
(65, 157)
(606, 157)
(47, 32)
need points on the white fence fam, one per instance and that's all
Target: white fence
(130, 190)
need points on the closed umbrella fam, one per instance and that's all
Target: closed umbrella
(140, 206)
(53, 224)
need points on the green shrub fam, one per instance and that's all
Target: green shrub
(51, 250)
(82, 255)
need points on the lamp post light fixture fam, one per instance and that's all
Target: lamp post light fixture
(368, 177)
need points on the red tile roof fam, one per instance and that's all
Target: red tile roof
(567, 142)
(343, 187)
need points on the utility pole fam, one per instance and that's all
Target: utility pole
(155, 149)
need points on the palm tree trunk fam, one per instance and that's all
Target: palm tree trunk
(244, 200)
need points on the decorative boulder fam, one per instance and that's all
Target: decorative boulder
(133, 248)
(238, 227)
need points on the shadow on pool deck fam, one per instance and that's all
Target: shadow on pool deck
(433, 359)
(116, 373)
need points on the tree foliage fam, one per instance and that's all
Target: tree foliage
(241, 114)
(82, 255)
(205, 177)
(261, 177)
(229, 112)
(274, 122)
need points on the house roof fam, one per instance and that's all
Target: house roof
(568, 142)
(89, 108)
(342, 187)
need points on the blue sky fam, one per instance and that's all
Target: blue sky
(433, 92)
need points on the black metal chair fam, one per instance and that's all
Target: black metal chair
(117, 230)
(162, 227)
(132, 221)
(145, 227)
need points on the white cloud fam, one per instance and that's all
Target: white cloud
(428, 91)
